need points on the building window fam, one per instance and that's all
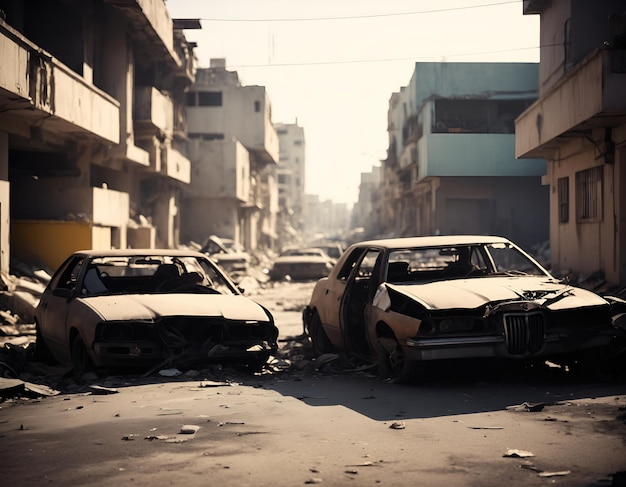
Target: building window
(210, 98)
(257, 106)
(589, 195)
(297, 142)
(563, 190)
(191, 99)
(454, 115)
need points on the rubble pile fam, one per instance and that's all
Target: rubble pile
(19, 296)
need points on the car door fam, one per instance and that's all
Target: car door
(355, 306)
(331, 296)
(55, 305)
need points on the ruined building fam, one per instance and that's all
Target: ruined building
(234, 151)
(451, 166)
(579, 125)
(92, 126)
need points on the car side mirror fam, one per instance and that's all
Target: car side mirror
(62, 292)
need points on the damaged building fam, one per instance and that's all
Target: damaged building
(578, 124)
(451, 166)
(234, 152)
(92, 126)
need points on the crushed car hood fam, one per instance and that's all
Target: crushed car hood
(473, 293)
(153, 306)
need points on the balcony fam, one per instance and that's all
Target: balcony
(108, 207)
(452, 154)
(591, 96)
(409, 155)
(176, 166)
(153, 112)
(151, 27)
(41, 90)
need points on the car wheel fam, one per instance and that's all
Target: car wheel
(396, 366)
(319, 339)
(42, 352)
(257, 364)
(595, 364)
(81, 361)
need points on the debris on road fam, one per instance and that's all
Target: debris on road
(531, 407)
(189, 429)
(512, 453)
(17, 387)
(561, 473)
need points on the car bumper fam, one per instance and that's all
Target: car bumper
(496, 346)
(150, 353)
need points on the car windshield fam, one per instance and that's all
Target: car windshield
(459, 261)
(152, 274)
(303, 253)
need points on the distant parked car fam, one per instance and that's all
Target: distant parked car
(301, 264)
(334, 250)
(403, 302)
(227, 253)
(145, 308)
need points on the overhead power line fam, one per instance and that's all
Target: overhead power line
(365, 16)
(360, 61)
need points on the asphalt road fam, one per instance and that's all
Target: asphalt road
(470, 425)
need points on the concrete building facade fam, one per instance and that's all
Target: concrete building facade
(451, 164)
(234, 152)
(578, 124)
(368, 206)
(92, 126)
(291, 173)
(325, 220)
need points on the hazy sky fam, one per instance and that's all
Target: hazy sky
(332, 65)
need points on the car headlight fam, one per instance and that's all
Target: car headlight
(454, 325)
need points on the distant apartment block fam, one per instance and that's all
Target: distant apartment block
(291, 179)
(451, 166)
(234, 152)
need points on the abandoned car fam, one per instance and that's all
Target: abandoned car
(228, 254)
(301, 264)
(149, 308)
(402, 302)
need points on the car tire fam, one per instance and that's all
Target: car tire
(595, 364)
(319, 339)
(81, 361)
(394, 365)
(42, 351)
(257, 364)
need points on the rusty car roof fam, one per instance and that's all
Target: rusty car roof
(139, 252)
(433, 241)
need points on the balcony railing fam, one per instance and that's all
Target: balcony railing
(592, 95)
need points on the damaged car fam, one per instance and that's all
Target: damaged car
(301, 264)
(407, 302)
(149, 308)
(228, 254)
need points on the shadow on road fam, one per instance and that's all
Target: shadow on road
(460, 388)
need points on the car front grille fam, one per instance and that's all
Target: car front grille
(198, 333)
(524, 332)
